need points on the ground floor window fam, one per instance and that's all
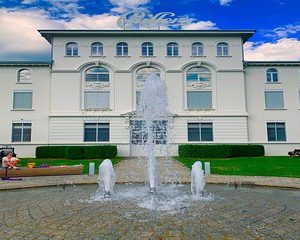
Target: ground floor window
(139, 134)
(96, 132)
(21, 132)
(276, 131)
(200, 132)
(199, 100)
(96, 100)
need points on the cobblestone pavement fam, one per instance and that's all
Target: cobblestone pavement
(225, 213)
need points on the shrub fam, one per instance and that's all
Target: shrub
(50, 152)
(77, 152)
(220, 151)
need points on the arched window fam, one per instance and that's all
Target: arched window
(24, 75)
(97, 49)
(144, 72)
(172, 49)
(223, 49)
(122, 49)
(71, 49)
(198, 74)
(97, 74)
(147, 49)
(272, 75)
(197, 49)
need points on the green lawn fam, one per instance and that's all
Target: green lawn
(57, 162)
(250, 166)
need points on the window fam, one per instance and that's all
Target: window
(22, 100)
(139, 134)
(172, 49)
(97, 49)
(199, 100)
(200, 132)
(138, 97)
(122, 49)
(272, 75)
(276, 131)
(274, 99)
(24, 76)
(96, 132)
(21, 132)
(223, 49)
(97, 74)
(197, 49)
(147, 49)
(71, 49)
(96, 100)
(198, 74)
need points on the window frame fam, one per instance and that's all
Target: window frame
(271, 74)
(194, 47)
(174, 49)
(74, 49)
(99, 49)
(222, 46)
(122, 46)
(149, 49)
(22, 131)
(200, 131)
(96, 131)
(276, 131)
(14, 99)
(266, 102)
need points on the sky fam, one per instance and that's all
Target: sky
(277, 22)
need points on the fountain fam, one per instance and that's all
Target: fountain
(197, 179)
(107, 178)
(152, 109)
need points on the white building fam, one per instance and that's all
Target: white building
(87, 93)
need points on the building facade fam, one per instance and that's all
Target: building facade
(88, 92)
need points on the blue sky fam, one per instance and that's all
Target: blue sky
(277, 22)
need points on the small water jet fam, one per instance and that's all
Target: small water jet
(106, 178)
(197, 179)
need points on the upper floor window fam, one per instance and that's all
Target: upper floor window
(274, 100)
(198, 74)
(172, 49)
(197, 49)
(272, 75)
(24, 76)
(97, 49)
(222, 49)
(147, 49)
(96, 100)
(97, 74)
(199, 100)
(71, 49)
(22, 100)
(143, 73)
(122, 49)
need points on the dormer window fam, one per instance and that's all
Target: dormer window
(272, 75)
(71, 49)
(172, 49)
(97, 49)
(122, 49)
(222, 49)
(24, 76)
(197, 49)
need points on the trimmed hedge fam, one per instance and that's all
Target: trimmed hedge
(77, 152)
(220, 151)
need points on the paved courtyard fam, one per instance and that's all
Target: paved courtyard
(68, 212)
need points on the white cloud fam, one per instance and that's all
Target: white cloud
(201, 25)
(225, 2)
(285, 49)
(28, 1)
(122, 6)
(19, 36)
(283, 31)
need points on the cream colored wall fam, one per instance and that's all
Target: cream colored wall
(38, 116)
(289, 83)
